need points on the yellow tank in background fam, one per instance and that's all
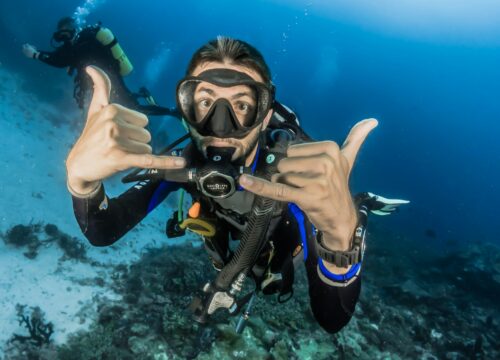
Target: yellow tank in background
(106, 37)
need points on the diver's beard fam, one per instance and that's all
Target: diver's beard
(242, 149)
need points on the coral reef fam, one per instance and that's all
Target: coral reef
(32, 236)
(39, 330)
(442, 306)
(36, 344)
(24, 236)
(100, 342)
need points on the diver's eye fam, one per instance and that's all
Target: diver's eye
(243, 107)
(245, 112)
(205, 103)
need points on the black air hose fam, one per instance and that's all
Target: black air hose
(254, 238)
(250, 245)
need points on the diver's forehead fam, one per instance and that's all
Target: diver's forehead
(211, 89)
(209, 65)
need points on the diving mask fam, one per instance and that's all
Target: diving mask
(216, 116)
(64, 35)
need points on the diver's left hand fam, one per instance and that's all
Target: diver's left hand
(29, 51)
(315, 176)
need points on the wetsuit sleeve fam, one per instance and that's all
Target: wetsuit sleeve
(332, 306)
(103, 221)
(59, 58)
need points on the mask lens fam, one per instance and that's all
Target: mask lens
(242, 100)
(195, 102)
(245, 109)
(185, 99)
(63, 35)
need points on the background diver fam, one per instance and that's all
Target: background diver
(254, 176)
(94, 45)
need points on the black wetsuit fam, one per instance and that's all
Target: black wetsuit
(86, 50)
(104, 221)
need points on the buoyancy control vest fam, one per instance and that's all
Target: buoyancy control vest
(241, 217)
(252, 222)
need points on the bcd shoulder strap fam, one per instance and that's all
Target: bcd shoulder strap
(286, 118)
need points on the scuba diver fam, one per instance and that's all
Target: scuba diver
(94, 45)
(254, 176)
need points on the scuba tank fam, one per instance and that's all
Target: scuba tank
(106, 38)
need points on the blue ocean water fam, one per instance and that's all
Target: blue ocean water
(431, 79)
(428, 71)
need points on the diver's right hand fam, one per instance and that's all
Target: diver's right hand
(29, 51)
(113, 139)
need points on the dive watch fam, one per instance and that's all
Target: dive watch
(350, 257)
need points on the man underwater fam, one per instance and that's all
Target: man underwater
(94, 45)
(253, 176)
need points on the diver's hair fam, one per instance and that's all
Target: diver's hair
(233, 51)
(65, 22)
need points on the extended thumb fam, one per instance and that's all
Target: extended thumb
(356, 138)
(102, 89)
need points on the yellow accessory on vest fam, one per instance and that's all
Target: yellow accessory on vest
(198, 226)
(106, 37)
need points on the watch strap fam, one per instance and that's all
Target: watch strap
(349, 257)
(339, 258)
